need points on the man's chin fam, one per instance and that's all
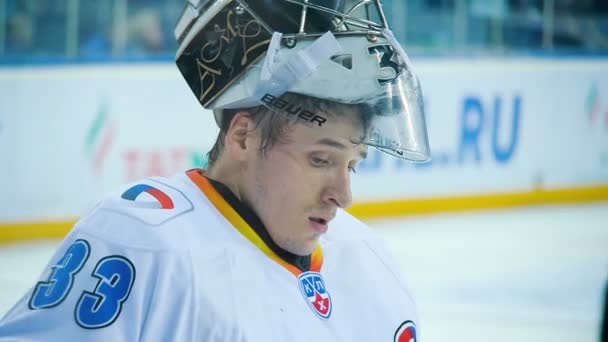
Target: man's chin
(306, 248)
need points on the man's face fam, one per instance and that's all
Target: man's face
(301, 181)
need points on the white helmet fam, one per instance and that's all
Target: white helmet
(237, 53)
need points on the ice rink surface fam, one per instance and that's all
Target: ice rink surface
(530, 274)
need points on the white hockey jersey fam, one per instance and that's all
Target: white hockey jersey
(171, 260)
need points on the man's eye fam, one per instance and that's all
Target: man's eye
(315, 161)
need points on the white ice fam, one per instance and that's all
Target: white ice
(532, 274)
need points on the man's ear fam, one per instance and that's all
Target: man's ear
(238, 136)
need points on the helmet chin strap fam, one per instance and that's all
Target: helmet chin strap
(276, 79)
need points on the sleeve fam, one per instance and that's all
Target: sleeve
(96, 288)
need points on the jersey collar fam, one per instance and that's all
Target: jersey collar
(196, 175)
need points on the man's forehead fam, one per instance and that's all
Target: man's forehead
(344, 145)
(340, 135)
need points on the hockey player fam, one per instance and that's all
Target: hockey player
(257, 247)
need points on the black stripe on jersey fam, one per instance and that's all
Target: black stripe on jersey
(301, 262)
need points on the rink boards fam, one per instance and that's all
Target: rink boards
(503, 132)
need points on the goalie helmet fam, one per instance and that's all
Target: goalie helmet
(236, 53)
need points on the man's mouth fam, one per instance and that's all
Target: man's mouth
(319, 224)
(318, 220)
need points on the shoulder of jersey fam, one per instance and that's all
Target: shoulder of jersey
(160, 214)
(347, 227)
(152, 201)
(348, 230)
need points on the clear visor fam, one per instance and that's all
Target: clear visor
(395, 121)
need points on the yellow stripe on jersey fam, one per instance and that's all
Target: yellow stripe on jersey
(245, 229)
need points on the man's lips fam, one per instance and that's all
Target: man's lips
(321, 222)
(318, 219)
(319, 225)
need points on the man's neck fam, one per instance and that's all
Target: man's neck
(247, 213)
(227, 176)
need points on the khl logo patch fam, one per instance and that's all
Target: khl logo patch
(315, 293)
(406, 332)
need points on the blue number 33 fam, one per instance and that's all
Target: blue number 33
(96, 309)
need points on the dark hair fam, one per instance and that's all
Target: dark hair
(274, 123)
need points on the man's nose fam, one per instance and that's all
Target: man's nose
(337, 192)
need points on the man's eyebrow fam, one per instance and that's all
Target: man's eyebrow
(338, 145)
